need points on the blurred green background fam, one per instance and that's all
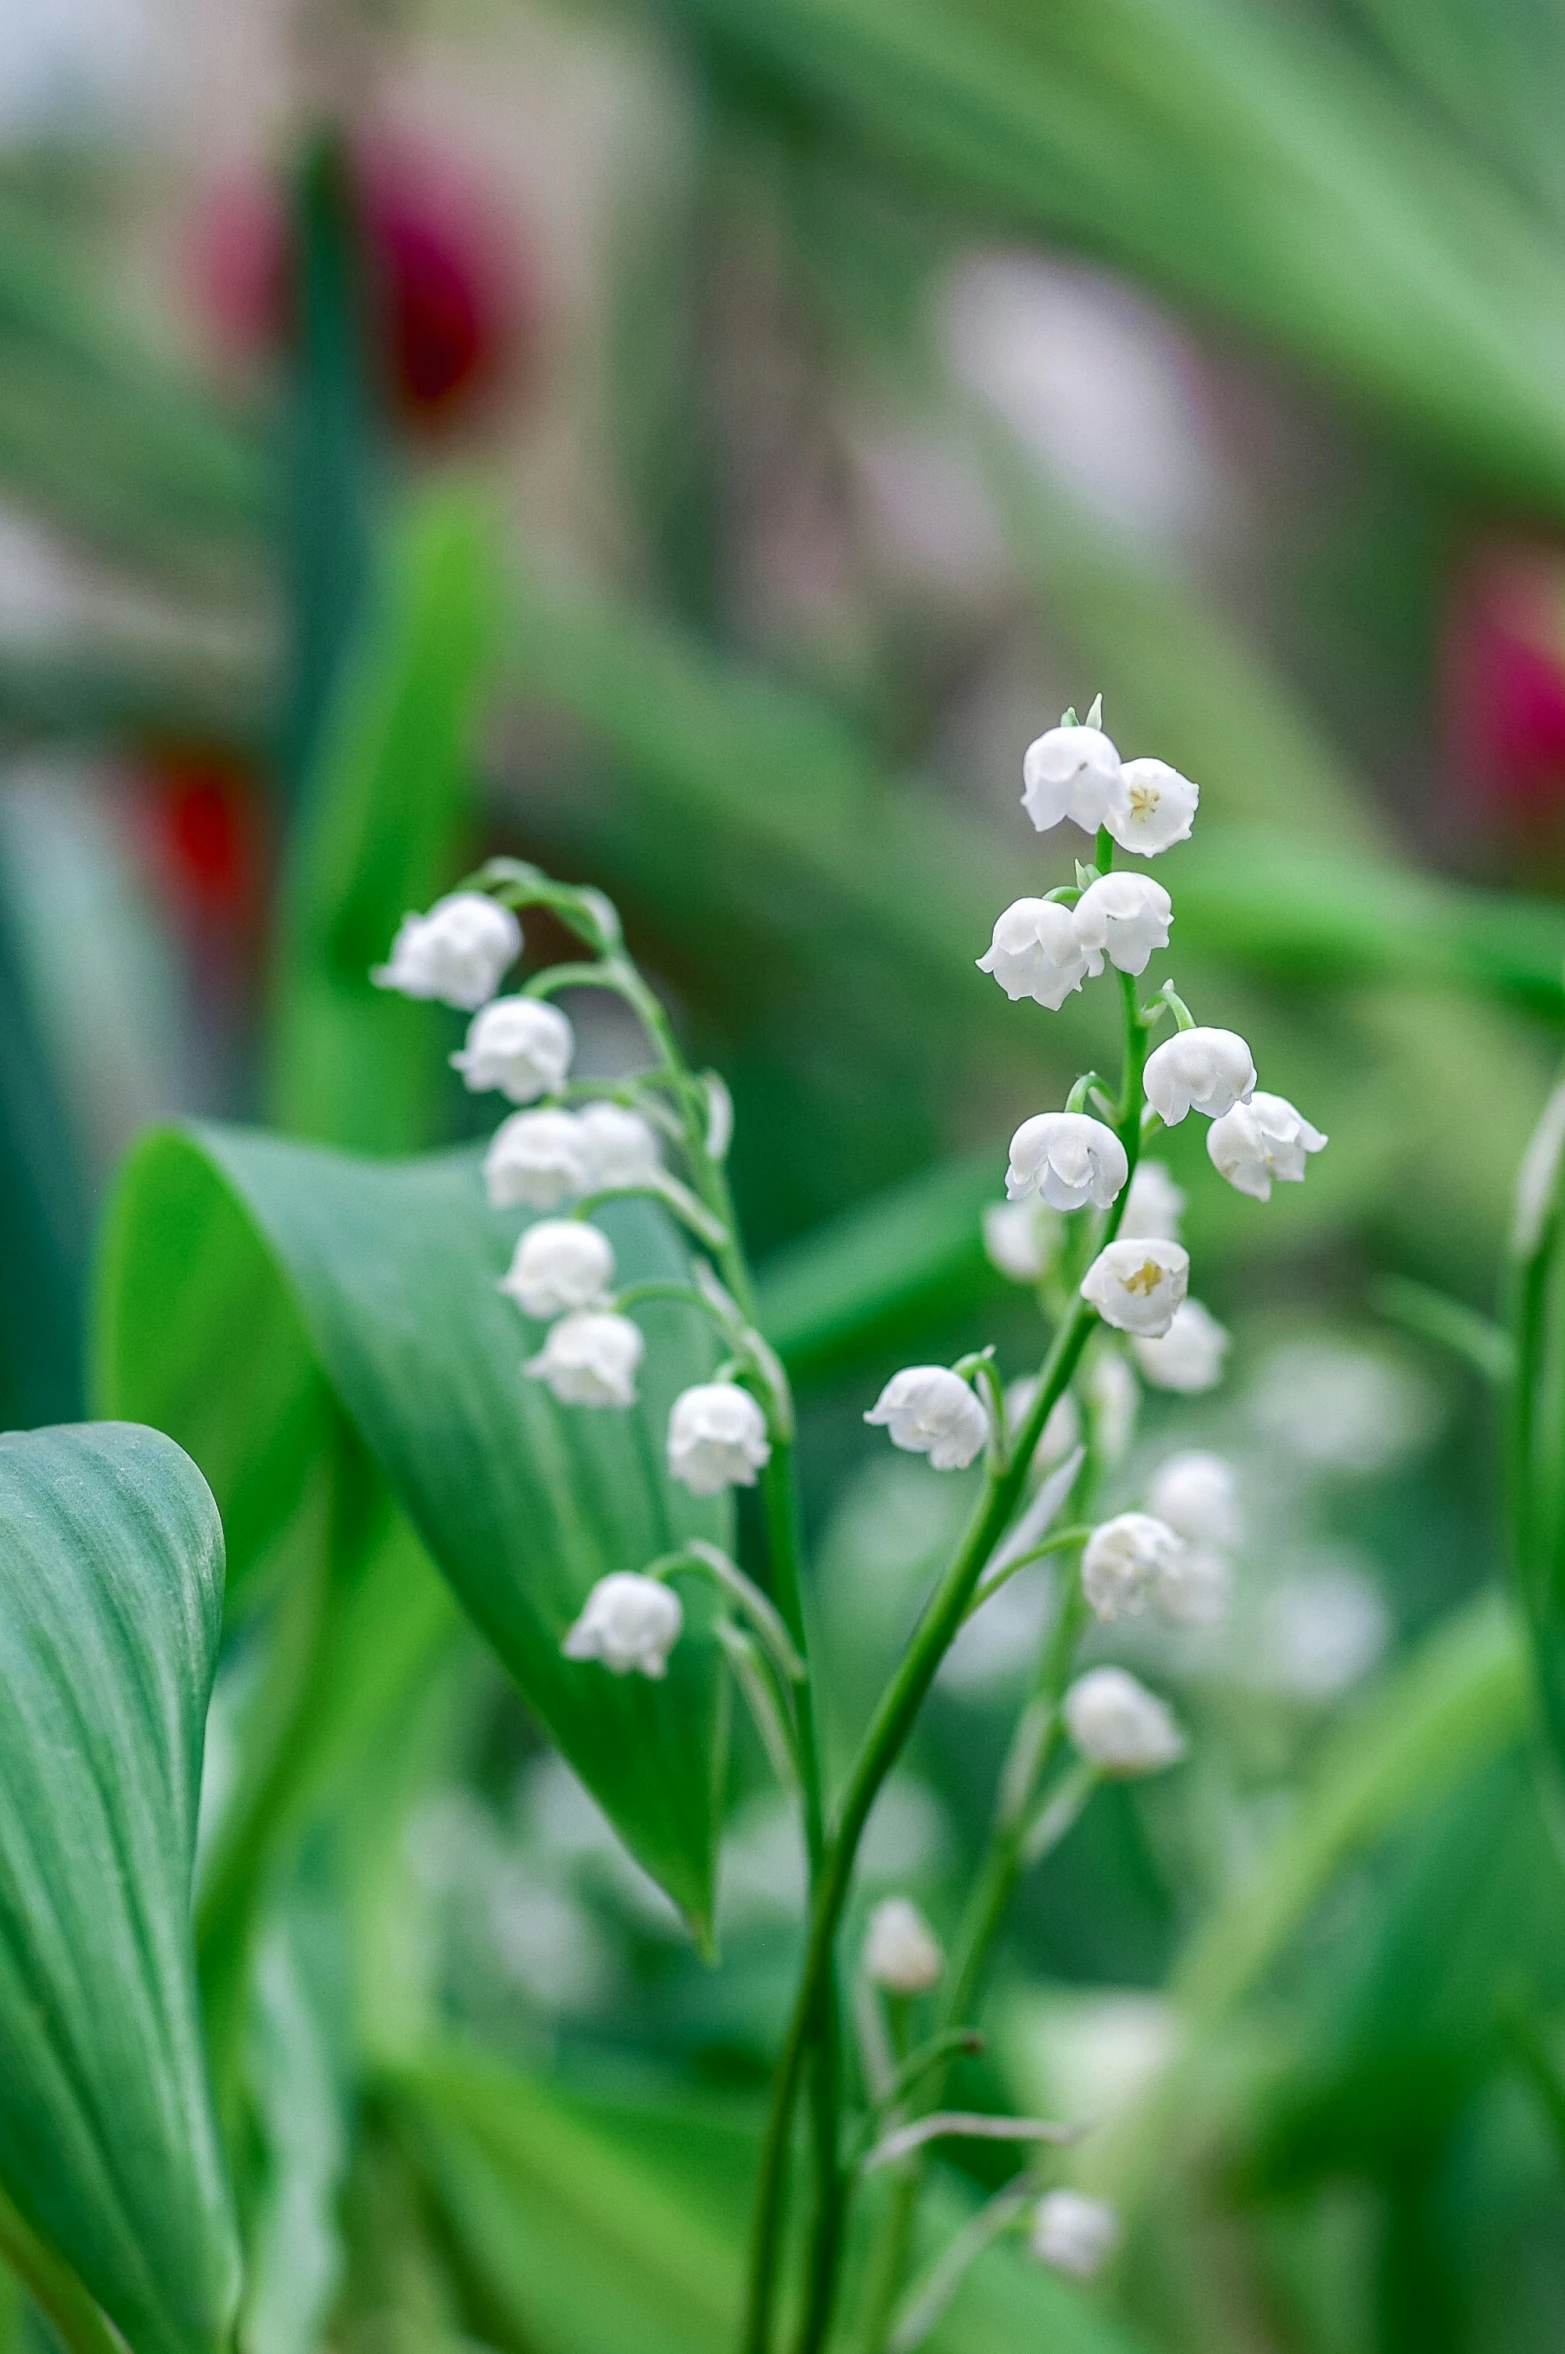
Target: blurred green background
(696, 446)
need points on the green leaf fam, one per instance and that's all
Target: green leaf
(111, 1582)
(380, 1277)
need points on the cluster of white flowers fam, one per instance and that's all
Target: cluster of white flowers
(1173, 1558)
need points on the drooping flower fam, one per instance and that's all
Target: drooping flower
(1197, 1493)
(1193, 1588)
(1068, 1157)
(929, 1410)
(1123, 917)
(1123, 1562)
(1188, 1355)
(901, 1951)
(1021, 1238)
(1071, 772)
(519, 1045)
(537, 1159)
(1153, 1206)
(590, 1359)
(1137, 1286)
(1036, 952)
(619, 1147)
(1072, 2233)
(1119, 1726)
(558, 1265)
(455, 953)
(1260, 1141)
(716, 1438)
(1199, 1070)
(630, 1622)
(1156, 809)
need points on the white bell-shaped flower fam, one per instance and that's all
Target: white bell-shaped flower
(929, 1410)
(716, 1438)
(1072, 2233)
(1188, 1355)
(1137, 1286)
(1071, 772)
(1194, 1588)
(456, 953)
(1124, 918)
(1068, 1157)
(1156, 808)
(1199, 1070)
(1119, 1726)
(1036, 952)
(536, 1159)
(1123, 1561)
(558, 1265)
(629, 1622)
(1197, 1493)
(519, 1045)
(901, 1952)
(1021, 1239)
(1153, 1206)
(590, 1359)
(619, 1147)
(1262, 1140)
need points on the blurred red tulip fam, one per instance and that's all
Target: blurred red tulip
(1504, 679)
(206, 832)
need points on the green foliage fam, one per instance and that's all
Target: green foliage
(111, 1579)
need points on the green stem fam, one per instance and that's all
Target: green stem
(54, 2288)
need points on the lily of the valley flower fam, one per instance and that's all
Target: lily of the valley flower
(1156, 808)
(1072, 2233)
(1036, 952)
(455, 953)
(1199, 1070)
(1258, 1141)
(519, 1045)
(559, 1264)
(631, 1623)
(1071, 772)
(1124, 1563)
(716, 1438)
(1021, 1238)
(1194, 1587)
(619, 1147)
(1137, 1286)
(1197, 1494)
(1153, 1206)
(1119, 1726)
(1123, 917)
(1188, 1354)
(929, 1410)
(536, 1159)
(590, 1359)
(901, 1952)
(1069, 1158)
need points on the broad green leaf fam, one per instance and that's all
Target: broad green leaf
(384, 1273)
(296, 2255)
(111, 1583)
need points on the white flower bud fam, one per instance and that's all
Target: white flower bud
(1071, 772)
(1156, 809)
(1137, 1286)
(1188, 1355)
(519, 1045)
(901, 1951)
(1197, 1494)
(1035, 952)
(1123, 1562)
(537, 1159)
(716, 1438)
(1072, 2233)
(1153, 1206)
(1124, 918)
(1118, 1726)
(559, 1264)
(630, 1623)
(1068, 1157)
(1021, 1238)
(929, 1410)
(1259, 1141)
(1113, 1397)
(1199, 1070)
(1193, 1588)
(455, 953)
(590, 1359)
(619, 1147)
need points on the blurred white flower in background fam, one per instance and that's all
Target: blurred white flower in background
(1073, 2233)
(1189, 1355)
(1197, 1493)
(1339, 1406)
(716, 1438)
(1113, 1400)
(1153, 1206)
(999, 1643)
(548, 1944)
(901, 1952)
(1322, 1629)
(1022, 1238)
(629, 1622)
